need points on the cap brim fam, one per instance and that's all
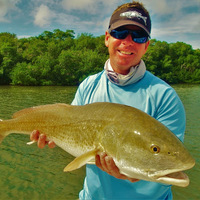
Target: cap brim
(120, 23)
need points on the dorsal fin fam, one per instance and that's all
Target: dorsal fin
(42, 107)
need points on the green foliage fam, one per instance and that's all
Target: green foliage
(174, 63)
(58, 58)
(8, 56)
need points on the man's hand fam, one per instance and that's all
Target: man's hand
(41, 140)
(107, 164)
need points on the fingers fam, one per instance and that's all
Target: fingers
(51, 144)
(34, 136)
(133, 180)
(97, 161)
(107, 164)
(113, 169)
(41, 139)
(101, 161)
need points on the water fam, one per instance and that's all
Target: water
(190, 96)
(27, 172)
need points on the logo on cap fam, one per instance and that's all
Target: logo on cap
(132, 14)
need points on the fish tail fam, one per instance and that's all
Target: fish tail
(3, 132)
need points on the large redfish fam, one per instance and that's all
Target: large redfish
(141, 147)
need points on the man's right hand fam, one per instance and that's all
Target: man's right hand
(41, 140)
(107, 164)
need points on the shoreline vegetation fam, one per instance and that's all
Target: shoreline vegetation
(59, 58)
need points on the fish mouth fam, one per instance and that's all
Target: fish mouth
(173, 177)
(176, 178)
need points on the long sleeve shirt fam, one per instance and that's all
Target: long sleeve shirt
(149, 94)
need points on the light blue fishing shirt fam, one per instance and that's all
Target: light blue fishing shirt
(151, 95)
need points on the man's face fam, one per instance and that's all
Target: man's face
(124, 53)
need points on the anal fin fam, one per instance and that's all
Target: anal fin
(81, 161)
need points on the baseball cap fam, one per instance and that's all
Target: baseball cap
(131, 16)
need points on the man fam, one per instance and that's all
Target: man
(125, 80)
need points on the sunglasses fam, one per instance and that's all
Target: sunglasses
(137, 36)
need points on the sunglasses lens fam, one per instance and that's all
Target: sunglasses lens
(140, 40)
(137, 36)
(119, 34)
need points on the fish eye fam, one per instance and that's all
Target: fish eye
(155, 149)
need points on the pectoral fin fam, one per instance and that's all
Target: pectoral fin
(81, 160)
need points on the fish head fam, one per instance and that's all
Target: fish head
(171, 158)
(153, 153)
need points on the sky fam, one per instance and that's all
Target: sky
(172, 20)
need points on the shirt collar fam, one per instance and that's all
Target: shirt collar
(135, 74)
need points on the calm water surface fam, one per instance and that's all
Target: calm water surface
(27, 172)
